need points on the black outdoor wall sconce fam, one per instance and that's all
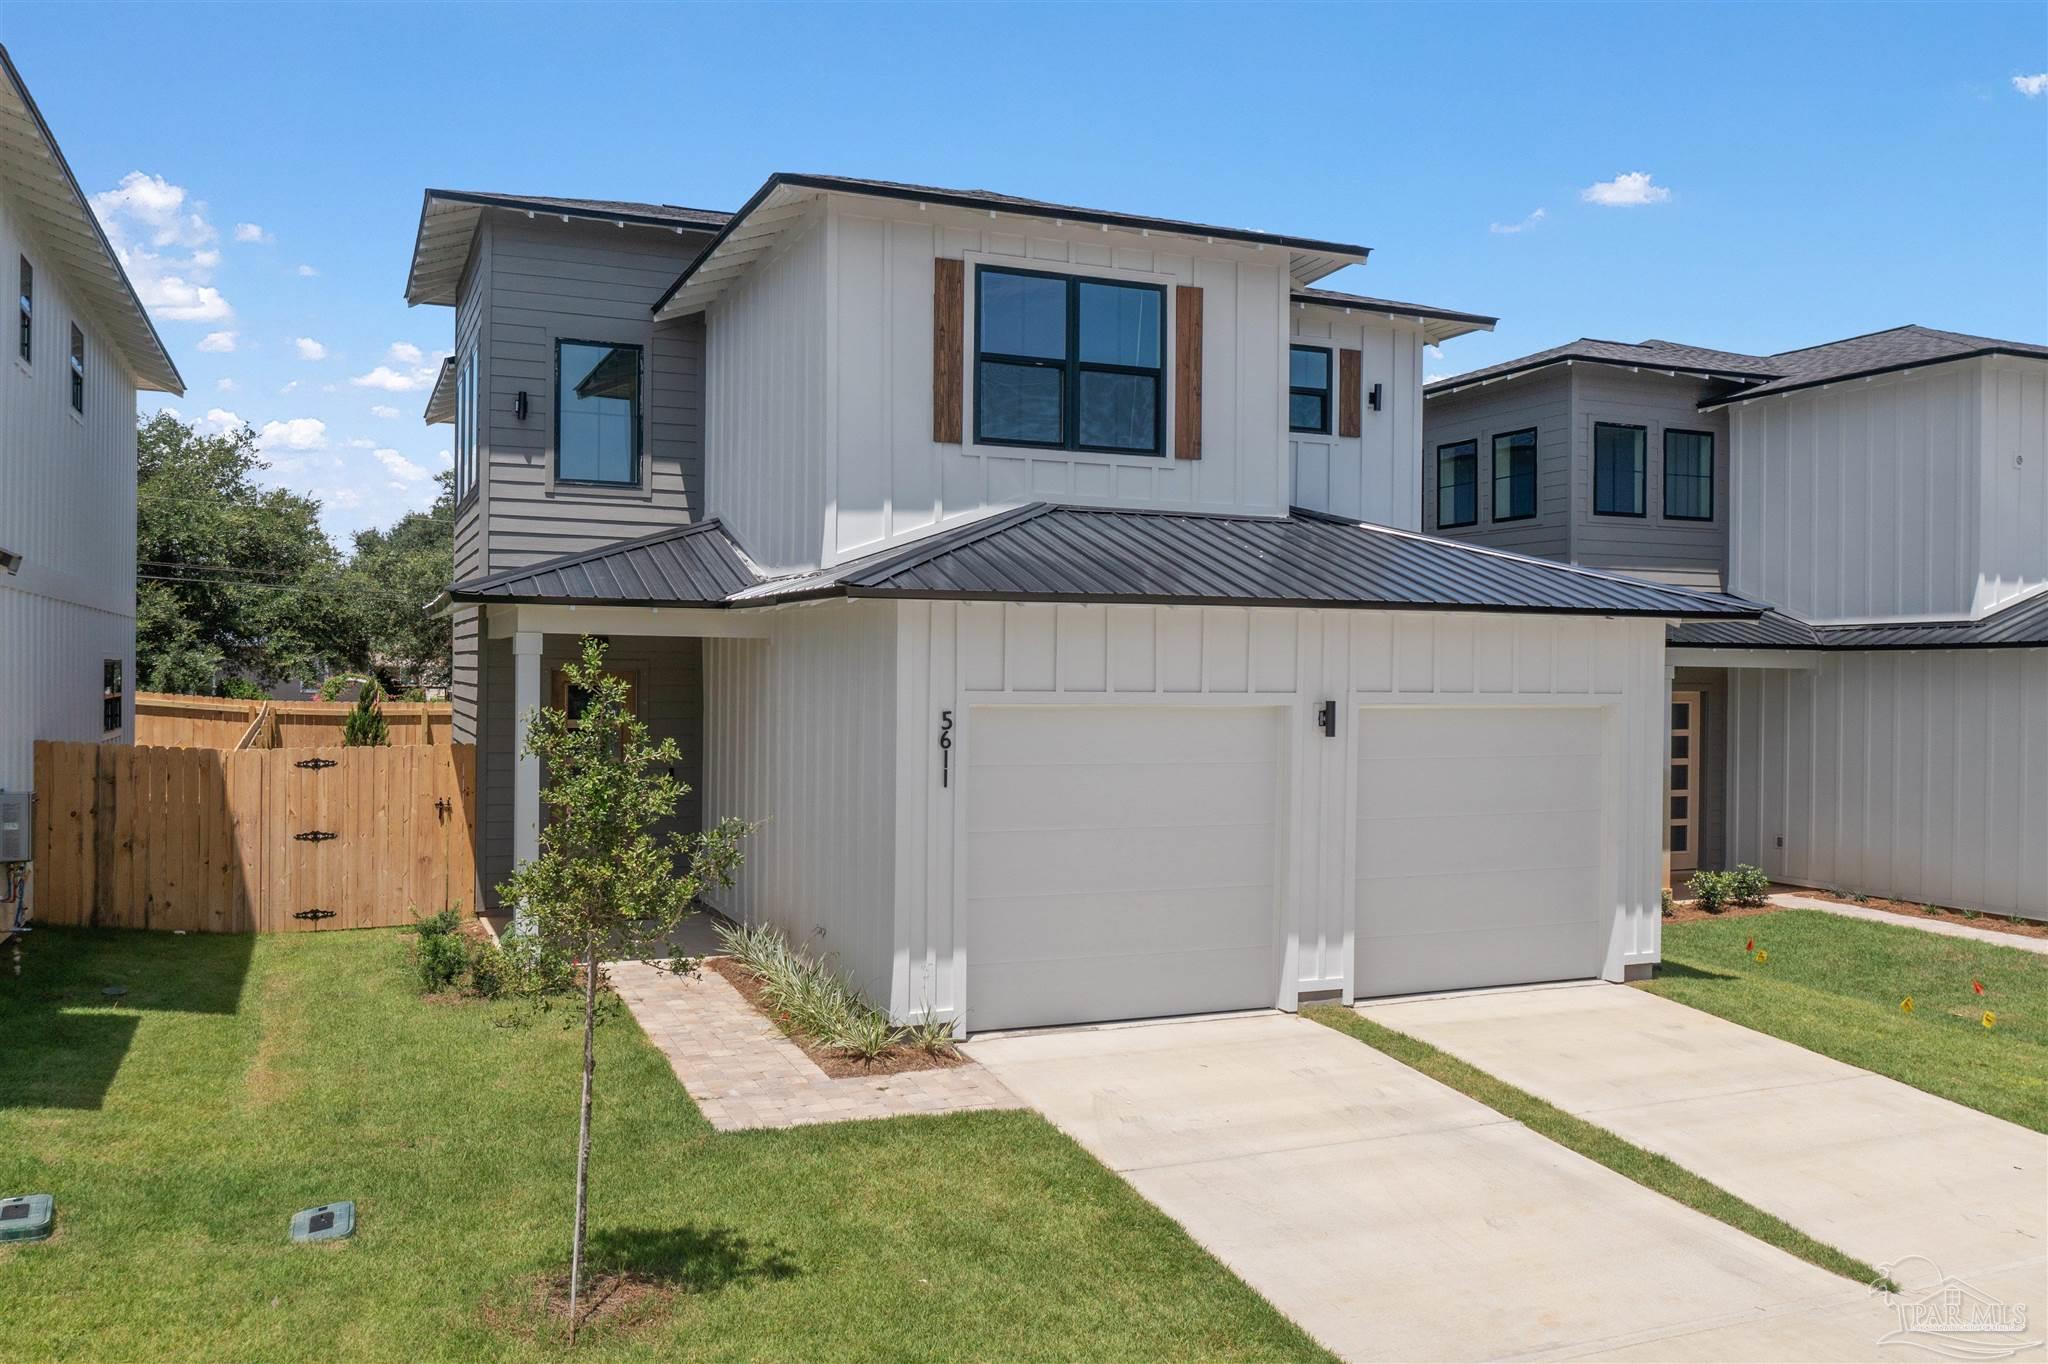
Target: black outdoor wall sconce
(519, 405)
(1372, 399)
(1326, 716)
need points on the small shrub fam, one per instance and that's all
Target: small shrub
(1970, 913)
(364, 726)
(1710, 890)
(864, 1033)
(242, 689)
(1665, 901)
(934, 1036)
(1748, 885)
(441, 924)
(490, 971)
(1929, 909)
(439, 960)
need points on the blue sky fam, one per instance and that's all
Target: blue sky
(1812, 171)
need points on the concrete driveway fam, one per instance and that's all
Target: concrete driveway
(1396, 1219)
(1877, 1168)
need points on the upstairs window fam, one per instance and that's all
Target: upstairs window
(1457, 484)
(1688, 475)
(1514, 475)
(1618, 469)
(112, 694)
(77, 370)
(1308, 390)
(465, 427)
(1068, 363)
(28, 312)
(597, 413)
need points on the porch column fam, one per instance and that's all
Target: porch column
(1664, 776)
(526, 699)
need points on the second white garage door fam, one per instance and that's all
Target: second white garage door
(1478, 847)
(1122, 861)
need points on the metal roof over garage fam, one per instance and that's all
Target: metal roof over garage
(2023, 625)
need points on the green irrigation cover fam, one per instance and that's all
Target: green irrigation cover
(29, 1218)
(328, 1222)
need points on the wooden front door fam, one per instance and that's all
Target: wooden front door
(1682, 783)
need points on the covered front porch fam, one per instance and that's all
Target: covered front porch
(1705, 685)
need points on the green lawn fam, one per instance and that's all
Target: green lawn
(240, 1079)
(1834, 985)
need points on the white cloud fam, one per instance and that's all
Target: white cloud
(253, 234)
(224, 385)
(412, 380)
(347, 499)
(1433, 352)
(220, 419)
(401, 469)
(404, 353)
(1510, 229)
(299, 433)
(218, 343)
(309, 349)
(1432, 378)
(150, 221)
(1627, 190)
(2030, 86)
(384, 411)
(307, 272)
(361, 443)
(447, 459)
(288, 388)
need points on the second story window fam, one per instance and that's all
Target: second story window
(1457, 484)
(77, 370)
(1068, 363)
(1618, 469)
(28, 312)
(597, 413)
(1688, 475)
(465, 427)
(1308, 390)
(1514, 475)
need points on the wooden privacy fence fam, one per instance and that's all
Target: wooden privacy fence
(267, 840)
(166, 720)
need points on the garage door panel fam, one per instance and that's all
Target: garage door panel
(1064, 735)
(1057, 928)
(1112, 795)
(1066, 861)
(1467, 901)
(1489, 731)
(1428, 845)
(1393, 787)
(1489, 956)
(1091, 988)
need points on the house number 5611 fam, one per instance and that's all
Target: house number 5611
(945, 748)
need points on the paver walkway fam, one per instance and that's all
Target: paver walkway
(742, 1072)
(1941, 926)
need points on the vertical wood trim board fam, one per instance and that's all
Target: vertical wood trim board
(1187, 371)
(1350, 395)
(949, 289)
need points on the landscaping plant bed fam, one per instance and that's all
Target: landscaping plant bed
(834, 1061)
(1907, 909)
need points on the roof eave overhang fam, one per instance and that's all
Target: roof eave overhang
(1438, 324)
(1866, 375)
(754, 229)
(1446, 387)
(441, 402)
(447, 227)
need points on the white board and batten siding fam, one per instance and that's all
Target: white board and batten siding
(1906, 496)
(1570, 681)
(1376, 475)
(67, 507)
(1922, 776)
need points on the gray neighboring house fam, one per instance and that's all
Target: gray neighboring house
(1047, 582)
(1884, 728)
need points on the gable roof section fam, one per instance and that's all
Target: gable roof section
(693, 565)
(40, 180)
(1885, 352)
(785, 195)
(1439, 324)
(1669, 357)
(448, 219)
(2022, 625)
(441, 401)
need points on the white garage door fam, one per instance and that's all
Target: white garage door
(1121, 862)
(1478, 847)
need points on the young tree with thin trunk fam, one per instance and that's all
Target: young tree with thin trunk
(605, 884)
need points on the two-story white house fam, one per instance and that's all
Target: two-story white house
(1045, 583)
(1884, 729)
(78, 345)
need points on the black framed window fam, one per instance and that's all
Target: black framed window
(27, 278)
(1688, 475)
(1308, 390)
(1618, 469)
(111, 694)
(1514, 475)
(1457, 484)
(1068, 362)
(597, 413)
(77, 370)
(465, 427)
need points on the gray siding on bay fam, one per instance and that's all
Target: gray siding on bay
(1542, 401)
(1694, 553)
(470, 517)
(1711, 819)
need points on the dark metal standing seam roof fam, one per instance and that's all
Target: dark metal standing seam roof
(693, 565)
(2023, 625)
(1088, 554)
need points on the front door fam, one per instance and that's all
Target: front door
(1681, 796)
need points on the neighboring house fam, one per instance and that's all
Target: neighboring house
(1045, 583)
(79, 344)
(1885, 728)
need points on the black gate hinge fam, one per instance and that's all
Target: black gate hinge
(315, 836)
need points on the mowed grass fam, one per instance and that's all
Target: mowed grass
(1835, 985)
(238, 1080)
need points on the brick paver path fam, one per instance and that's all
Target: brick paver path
(742, 1072)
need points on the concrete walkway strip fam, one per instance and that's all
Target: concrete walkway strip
(2039, 946)
(1396, 1219)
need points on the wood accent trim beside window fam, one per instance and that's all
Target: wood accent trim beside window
(949, 295)
(1350, 392)
(1187, 371)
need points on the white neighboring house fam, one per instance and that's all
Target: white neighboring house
(78, 346)
(1046, 583)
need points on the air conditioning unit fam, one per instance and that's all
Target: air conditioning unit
(17, 825)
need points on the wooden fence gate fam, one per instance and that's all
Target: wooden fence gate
(267, 840)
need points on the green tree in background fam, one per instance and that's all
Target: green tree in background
(391, 578)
